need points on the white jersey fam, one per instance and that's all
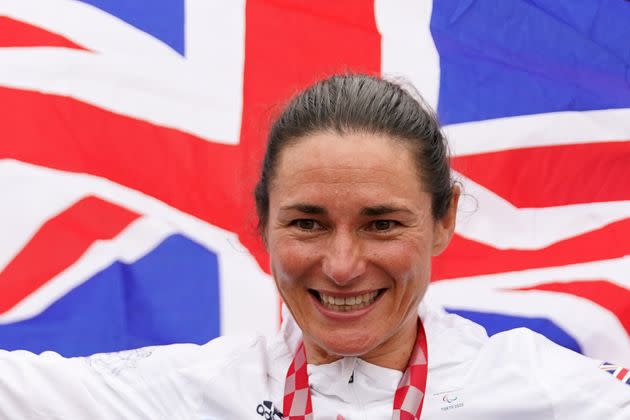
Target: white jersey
(513, 375)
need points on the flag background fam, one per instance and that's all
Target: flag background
(132, 131)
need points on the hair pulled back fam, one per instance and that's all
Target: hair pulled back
(357, 103)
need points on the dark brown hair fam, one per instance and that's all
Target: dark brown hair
(357, 103)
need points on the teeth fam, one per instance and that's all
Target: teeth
(351, 303)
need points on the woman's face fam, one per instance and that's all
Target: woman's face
(351, 236)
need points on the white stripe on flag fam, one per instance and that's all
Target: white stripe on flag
(407, 47)
(132, 73)
(488, 218)
(548, 129)
(26, 206)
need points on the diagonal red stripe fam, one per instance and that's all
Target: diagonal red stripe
(14, 33)
(553, 175)
(178, 168)
(58, 244)
(605, 294)
(465, 257)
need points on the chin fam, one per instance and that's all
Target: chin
(348, 344)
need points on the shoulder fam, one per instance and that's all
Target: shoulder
(551, 362)
(453, 339)
(576, 386)
(546, 377)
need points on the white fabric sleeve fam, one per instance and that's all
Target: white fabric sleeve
(163, 382)
(576, 386)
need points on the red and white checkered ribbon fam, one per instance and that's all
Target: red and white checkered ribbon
(297, 393)
(408, 399)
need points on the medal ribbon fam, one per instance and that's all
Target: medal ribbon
(408, 399)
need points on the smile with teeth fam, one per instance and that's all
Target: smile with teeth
(349, 303)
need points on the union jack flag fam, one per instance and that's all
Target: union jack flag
(621, 373)
(132, 132)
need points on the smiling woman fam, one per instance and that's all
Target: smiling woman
(355, 198)
(346, 215)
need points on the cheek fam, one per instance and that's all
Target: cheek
(291, 263)
(407, 261)
(409, 264)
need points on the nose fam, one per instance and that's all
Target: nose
(343, 260)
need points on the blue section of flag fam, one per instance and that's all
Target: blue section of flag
(171, 295)
(495, 323)
(506, 58)
(163, 19)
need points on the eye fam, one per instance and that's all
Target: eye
(307, 224)
(382, 225)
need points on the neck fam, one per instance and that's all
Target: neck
(393, 353)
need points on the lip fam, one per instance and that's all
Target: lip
(346, 316)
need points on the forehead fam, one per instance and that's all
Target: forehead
(350, 164)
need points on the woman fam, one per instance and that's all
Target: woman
(354, 199)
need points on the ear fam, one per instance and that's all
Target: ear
(444, 228)
(263, 238)
(263, 235)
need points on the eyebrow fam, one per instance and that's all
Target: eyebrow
(306, 208)
(382, 210)
(379, 210)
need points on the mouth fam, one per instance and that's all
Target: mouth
(347, 303)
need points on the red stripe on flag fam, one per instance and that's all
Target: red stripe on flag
(622, 374)
(327, 37)
(605, 294)
(465, 257)
(14, 33)
(180, 169)
(553, 175)
(58, 244)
